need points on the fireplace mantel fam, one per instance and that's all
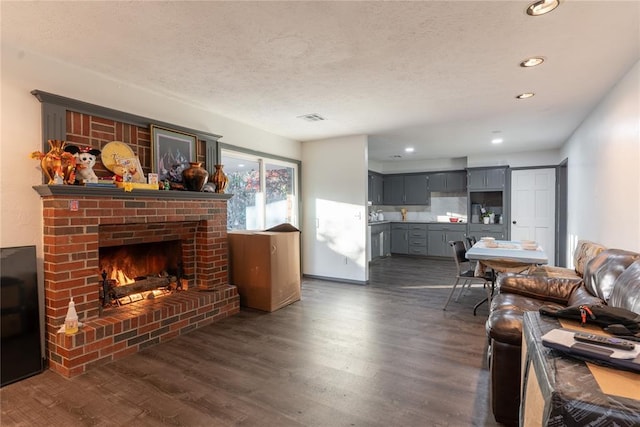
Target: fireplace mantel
(78, 190)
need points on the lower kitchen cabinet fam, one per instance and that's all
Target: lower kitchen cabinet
(417, 239)
(399, 238)
(439, 236)
(497, 231)
(380, 240)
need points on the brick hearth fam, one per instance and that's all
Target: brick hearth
(78, 221)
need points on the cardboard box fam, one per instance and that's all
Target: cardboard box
(265, 266)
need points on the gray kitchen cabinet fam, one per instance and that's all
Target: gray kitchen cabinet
(416, 190)
(497, 231)
(439, 236)
(375, 244)
(375, 188)
(417, 239)
(399, 238)
(486, 178)
(380, 240)
(489, 188)
(407, 189)
(386, 240)
(393, 190)
(448, 181)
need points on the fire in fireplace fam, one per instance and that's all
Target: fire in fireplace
(135, 272)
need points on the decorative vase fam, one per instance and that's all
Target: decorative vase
(57, 165)
(219, 179)
(195, 176)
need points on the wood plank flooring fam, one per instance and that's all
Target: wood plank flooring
(385, 354)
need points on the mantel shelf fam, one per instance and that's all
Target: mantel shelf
(78, 190)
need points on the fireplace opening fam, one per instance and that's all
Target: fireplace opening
(140, 271)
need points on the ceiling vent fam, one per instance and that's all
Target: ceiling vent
(314, 117)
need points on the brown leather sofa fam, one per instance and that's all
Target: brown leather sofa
(612, 276)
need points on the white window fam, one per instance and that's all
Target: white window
(265, 191)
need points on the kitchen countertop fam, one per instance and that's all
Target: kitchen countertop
(389, 221)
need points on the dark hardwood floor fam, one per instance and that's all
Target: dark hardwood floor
(385, 354)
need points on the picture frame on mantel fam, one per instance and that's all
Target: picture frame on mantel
(171, 151)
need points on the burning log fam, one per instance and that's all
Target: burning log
(147, 284)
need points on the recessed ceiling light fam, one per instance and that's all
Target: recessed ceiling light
(532, 62)
(241, 165)
(541, 7)
(497, 141)
(525, 95)
(409, 150)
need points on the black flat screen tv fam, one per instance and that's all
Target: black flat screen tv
(20, 348)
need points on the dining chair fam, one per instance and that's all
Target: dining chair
(470, 241)
(465, 272)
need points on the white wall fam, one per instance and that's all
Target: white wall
(20, 205)
(604, 169)
(517, 160)
(409, 166)
(514, 160)
(334, 208)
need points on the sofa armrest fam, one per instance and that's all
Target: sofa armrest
(553, 289)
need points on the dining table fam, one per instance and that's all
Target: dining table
(504, 256)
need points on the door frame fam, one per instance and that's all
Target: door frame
(562, 190)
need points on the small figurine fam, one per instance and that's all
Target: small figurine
(85, 161)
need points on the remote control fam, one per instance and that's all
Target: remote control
(604, 341)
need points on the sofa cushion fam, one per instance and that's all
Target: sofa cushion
(505, 319)
(626, 291)
(585, 252)
(602, 271)
(582, 296)
(553, 271)
(553, 289)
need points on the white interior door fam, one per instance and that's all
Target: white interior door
(533, 207)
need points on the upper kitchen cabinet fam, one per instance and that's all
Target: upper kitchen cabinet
(454, 181)
(416, 189)
(486, 178)
(375, 188)
(489, 189)
(406, 189)
(393, 189)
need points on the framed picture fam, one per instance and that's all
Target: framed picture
(171, 152)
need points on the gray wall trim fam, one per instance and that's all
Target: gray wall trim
(225, 146)
(118, 193)
(562, 191)
(70, 104)
(222, 145)
(534, 167)
(54, 123)
(333, 279)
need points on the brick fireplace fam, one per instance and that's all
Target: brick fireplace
(78, 221)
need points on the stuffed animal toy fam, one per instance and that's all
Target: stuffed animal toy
(85, 161)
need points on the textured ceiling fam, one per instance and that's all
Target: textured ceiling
(439, 76)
